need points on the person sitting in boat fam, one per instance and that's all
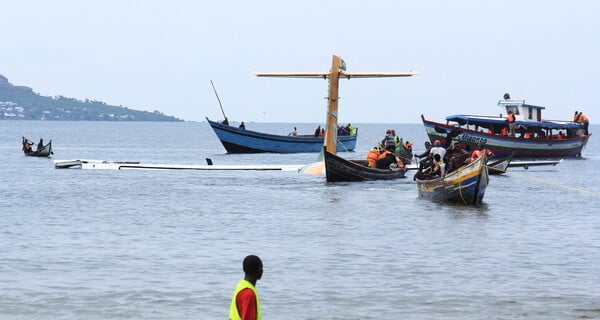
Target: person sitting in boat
(27, 145)
(455, 157)
(225, 122)
(481, 150)
(372, 157)
(40, 145)
(351, 129)
(242, 126)
(322, 134)
(387, 159)
(438, 149)
(439, 167)
(342, 131)
(293, 133)
(426, 152)
(318, 131)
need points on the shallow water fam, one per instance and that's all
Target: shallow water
(96, 244)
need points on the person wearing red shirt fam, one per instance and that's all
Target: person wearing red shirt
(245, 304)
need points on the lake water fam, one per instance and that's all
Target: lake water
(103, 244)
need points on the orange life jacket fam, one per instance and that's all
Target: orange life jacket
(511, 117)
(504, 131)
(476, 154)
(373, 155)
(383, 154)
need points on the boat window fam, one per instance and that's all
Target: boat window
(514, 109)
(530, 113)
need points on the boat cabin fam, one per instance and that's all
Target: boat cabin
(522, 111)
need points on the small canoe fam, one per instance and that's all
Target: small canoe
(465, 185)
(44, 151)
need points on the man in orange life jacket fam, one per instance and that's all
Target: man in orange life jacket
(372, 157)
(586, 122)
(511, 123)
(386, 159)
(245, 304)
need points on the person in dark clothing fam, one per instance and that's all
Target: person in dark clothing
(225, 122)
(318, 131)
(40, 145)
(242, 126)
(388, 160)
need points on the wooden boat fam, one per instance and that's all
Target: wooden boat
(45, 151)
(499, 166)
(340, 169)
(533, 138)
(236, 140)
(465, 185)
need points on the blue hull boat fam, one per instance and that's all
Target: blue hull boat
(236, 140)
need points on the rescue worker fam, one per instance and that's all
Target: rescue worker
(351, 129)
(511, 123)
(586, 122)
(372, 157)
(245, 304)
(386, 159)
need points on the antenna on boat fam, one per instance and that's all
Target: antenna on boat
(220, 105)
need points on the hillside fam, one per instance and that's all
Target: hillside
(21, 103)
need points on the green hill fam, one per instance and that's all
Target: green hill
(21, 103)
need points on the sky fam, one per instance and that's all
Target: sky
(161, 55)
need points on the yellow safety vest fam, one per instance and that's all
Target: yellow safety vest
(233, 310)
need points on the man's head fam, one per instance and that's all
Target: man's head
(253, 267)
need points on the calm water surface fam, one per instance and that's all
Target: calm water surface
(95, 244)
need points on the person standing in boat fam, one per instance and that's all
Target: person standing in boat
(294, 132)
(242, 126)
(245, 304)
(225, 122)
(585, 121)
(511, 123)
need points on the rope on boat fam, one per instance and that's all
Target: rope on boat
(593, 193)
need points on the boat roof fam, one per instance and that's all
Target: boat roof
(485, 121)
(518, 103)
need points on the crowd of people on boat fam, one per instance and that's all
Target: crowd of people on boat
(437, 161)
(347, 130)
(390, 153)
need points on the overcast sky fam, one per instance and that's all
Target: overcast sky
(161, 55)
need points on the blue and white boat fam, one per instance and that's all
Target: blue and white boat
(236, 140)
(534, 137)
